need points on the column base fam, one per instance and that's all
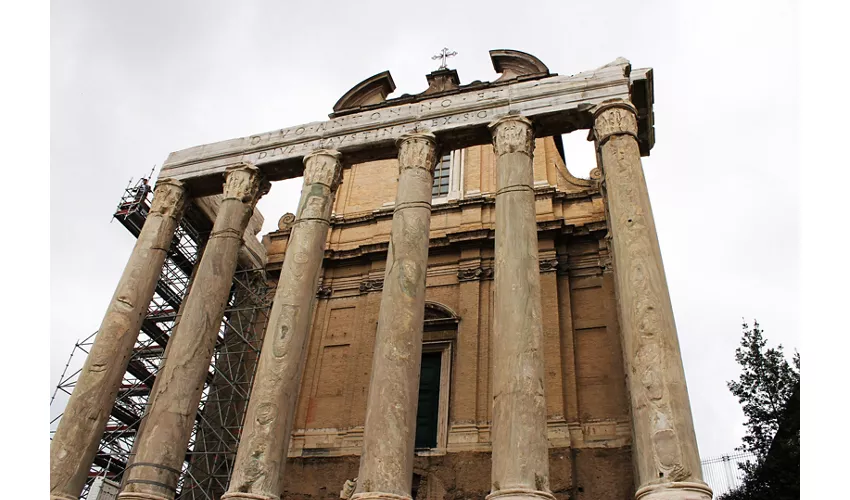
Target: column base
(138, 495)
(679, 490)
(238, 495)
(520, 494)
(378, 495)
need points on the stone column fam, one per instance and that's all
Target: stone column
(174, 399)
(268, 422)
(667, 463)
(520, 458)
(78, 435)
(386, 465)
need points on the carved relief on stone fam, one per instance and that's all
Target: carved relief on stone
(372, 285)
(645, 308)
(547, 266)
(243, 182)
(169, 198)
(286, 324)
(324, 292)
(616, 118)
(476, 273)
(314, 204)
(323, 166)
(512, 133)
(286, 221)
(596, 174)
(417, 150)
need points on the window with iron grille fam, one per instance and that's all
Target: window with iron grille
(441, 176)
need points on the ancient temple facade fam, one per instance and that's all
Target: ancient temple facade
(587, 408)
(456, 315)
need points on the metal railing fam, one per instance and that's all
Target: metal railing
(723, 473)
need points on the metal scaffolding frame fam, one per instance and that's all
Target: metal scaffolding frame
(724, 473)
(212, 447)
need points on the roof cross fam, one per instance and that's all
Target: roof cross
(443, 55)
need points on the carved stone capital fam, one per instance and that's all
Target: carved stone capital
(169, 198)
(372, 285)
(614, 118)
(417, 150)
(512, 133)
(243, 182)
(323, 167)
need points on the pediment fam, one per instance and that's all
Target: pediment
(373, 90)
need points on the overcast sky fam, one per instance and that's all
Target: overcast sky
(131, 82)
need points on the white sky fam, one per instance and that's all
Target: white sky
(131, 82)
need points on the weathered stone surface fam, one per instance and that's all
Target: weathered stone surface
(268, 422)
(252, 254)
(520, 446)
(561, 102)
(665, 449)
(77, 437)
(599, 474)
(173, 403)
(386, 466)
(236, 358)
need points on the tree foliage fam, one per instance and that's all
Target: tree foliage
(768, 390)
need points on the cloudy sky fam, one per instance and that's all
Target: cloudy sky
(131, 82)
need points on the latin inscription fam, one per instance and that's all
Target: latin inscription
(382, 127)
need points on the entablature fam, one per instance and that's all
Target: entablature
(458, 117)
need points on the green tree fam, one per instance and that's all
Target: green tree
(768, 390)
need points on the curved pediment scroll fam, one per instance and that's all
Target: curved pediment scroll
(515, 64)
(373, 90)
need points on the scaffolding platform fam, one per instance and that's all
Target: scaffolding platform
(212, 447)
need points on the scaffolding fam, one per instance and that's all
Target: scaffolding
(212, 447)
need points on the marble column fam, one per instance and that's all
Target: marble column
(78, 435)
(174, 399)
(666, 458)
(386, 465)
(268, 422)
(520, 460)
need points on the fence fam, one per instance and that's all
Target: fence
(723, 474)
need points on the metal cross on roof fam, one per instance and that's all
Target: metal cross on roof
(444, 54)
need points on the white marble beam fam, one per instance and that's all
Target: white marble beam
(463, 117)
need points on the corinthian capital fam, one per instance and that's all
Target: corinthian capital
(169, 198)
(614, 118)
(323, 166)
(511, 134)
(243, 182)
(417, 150)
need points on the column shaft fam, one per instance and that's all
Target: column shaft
(176, 394)
(520, 446)
(386, 466)
(664, 443)
(264, 444)
(77, 437)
